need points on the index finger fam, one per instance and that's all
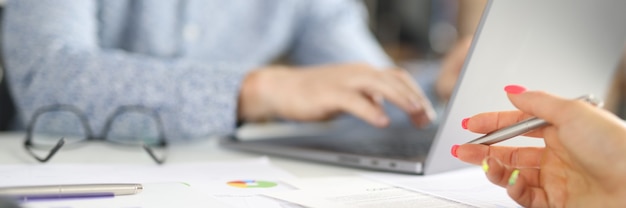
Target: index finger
(553, 109)
(407, 79)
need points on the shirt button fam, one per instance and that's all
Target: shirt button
(191, 32)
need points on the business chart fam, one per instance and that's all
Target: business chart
(251, 184)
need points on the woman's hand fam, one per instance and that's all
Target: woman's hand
(321, 92)
(582, 165)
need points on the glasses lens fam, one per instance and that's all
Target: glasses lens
(51, 126)
(137, 126)
(134, 128)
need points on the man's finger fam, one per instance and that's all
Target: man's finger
(364, 108)
(429, 114)
(393, 89)
(421, 96)
(389, 90)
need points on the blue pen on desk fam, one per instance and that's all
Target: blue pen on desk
(8, 203)
(45, 197)
(29, 193)
(524, 126)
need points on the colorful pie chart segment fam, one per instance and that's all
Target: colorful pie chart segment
(251, 184)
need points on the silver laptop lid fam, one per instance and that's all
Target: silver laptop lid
(565, 47)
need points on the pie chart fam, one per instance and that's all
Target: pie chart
(251, 184)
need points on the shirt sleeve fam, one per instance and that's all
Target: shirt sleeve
(53, 56)
(336, 31)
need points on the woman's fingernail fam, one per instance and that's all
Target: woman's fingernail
(514, 89)
(513, 177)
(453, 150)
(485, 165)
(464, 123)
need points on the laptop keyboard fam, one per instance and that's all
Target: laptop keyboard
(395, 143)
(390, 143)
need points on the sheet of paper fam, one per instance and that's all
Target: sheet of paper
(468, 186)
(237, 183)
(356, 192)
(323, 183)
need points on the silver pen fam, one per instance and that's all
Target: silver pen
(70, 191)
(524, 126)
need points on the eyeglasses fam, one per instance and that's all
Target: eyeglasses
(132, 125)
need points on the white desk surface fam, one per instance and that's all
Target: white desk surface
(207, 150)
(12, 152)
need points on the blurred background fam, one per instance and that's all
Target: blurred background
(415, 31)
(422, 29)
(410, 31)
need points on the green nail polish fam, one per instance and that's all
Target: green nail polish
(485, 165)
(513, 177)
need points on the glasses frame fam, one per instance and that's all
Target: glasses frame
(28, 143)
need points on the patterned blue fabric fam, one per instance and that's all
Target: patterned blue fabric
(183, 58)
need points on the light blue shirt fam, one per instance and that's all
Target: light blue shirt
(185, 59)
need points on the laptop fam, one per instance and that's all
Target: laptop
(569, 48)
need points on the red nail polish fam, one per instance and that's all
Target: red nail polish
(453, 150)
(514, 89)
(464, 123)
